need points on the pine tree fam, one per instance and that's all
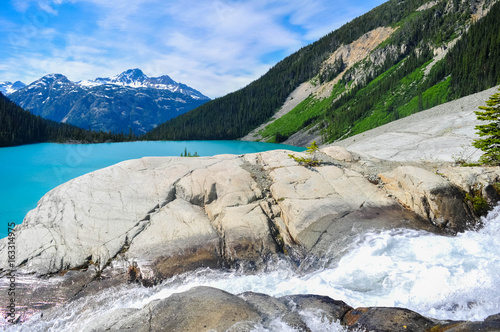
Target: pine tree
(490, 132)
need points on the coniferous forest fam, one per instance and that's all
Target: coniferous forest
(18, 127)
(474, 62)
(470, 66)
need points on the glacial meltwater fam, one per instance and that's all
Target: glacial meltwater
(442, 277)
(28, 172)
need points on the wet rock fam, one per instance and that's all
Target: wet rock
(477, 181)
(328, 308)
(487, 326)
(271, 308)
(211, 309)
(430, 196)
(245, 233)
(33, 294)
(179, 238)
(120, 320)
(202, 308)
(199, 309)
(387, 320)
(493, 318)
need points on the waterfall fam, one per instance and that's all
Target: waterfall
(442, 277)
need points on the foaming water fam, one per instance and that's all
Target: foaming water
(442, 277)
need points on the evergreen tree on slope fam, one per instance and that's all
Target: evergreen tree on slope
(489, 142)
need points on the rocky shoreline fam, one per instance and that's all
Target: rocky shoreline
(211, 309)
(144, 221)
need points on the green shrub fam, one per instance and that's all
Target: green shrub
(311, 159)
(479, 204)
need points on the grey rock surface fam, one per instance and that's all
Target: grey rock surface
(442, 133)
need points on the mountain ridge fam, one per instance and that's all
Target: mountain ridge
(136, 78)
(130, 101)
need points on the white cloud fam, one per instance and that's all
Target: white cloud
(214, 46)
(48, 6)
(21, 5)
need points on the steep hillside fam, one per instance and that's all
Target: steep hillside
(236, 114)
(398, 59)
(432, 57)
(343, 59)
(129, 101)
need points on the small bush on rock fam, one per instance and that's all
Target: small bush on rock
(479, 204)
(311, 160)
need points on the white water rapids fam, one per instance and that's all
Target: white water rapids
(441, 277)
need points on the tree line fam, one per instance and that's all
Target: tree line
(18, 127)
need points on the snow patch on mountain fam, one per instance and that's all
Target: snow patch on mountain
(6, 88)
(135, 78)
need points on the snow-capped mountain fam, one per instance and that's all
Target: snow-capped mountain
(135, 78)
(6, 88)
(127, 101)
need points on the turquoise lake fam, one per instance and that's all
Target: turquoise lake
(28, 172)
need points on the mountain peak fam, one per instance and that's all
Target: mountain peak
(18, 85)
(135, 78)
(54, 77)
(130, 76)
(134, 72)
(8, 88)
(165, 80)
(50, 80)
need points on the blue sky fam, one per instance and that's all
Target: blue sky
(215, 46)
